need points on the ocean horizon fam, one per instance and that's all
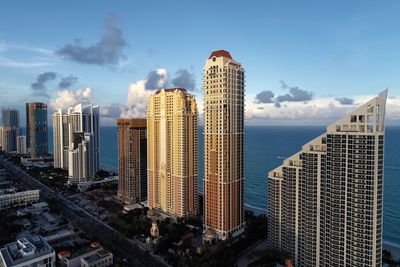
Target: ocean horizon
(265, 149)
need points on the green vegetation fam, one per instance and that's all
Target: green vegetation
(227, 252)
(133, 224)
(388, 258)
(269, 258)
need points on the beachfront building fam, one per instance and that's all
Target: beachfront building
(132, 160)
(76, 141)
(223, 88)
(172, 152)
(325, 202)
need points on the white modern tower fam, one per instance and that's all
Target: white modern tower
(325, 202)
(76, 141)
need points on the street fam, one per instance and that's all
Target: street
(131, 250)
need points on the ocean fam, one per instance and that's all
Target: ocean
(265, 149)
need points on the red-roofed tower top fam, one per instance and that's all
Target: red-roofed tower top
(220, 53)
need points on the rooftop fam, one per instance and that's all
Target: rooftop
(171, 90)
(220, 53)
(100, 254)
(25, 249)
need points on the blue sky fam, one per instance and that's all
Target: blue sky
(331, 50)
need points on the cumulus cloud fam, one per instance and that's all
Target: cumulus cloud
(295, 95)
(184, 79)
(107, 51)
(137, 100)
(112, 110)
(157, 79)
(345, 100)
(266, 96)
(139, 92)
(66, 82)
(39, 87)
(68, 98)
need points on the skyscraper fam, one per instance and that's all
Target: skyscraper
(10, 117)
(76, 141)
(325, 202)
(36, 129)
(60, 139)
(1, 137)
(10, 129)
(172, 152)
(80, 159)
(132, 160)
(223, 145)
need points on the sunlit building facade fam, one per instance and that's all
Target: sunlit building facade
(223, 88)
(172, 152)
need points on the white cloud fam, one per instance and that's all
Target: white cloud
(137, 100)
(70, 98)
(36, 57)
(5, 46)
(139, 92)
(5, 62)
(318, 111)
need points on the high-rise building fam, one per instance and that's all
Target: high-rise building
(76, 141)
(325, 202)
(223, 86)
(10, 130)
(132, 160)
(10, 117)
(1, 137)
(60, 139)
(172, 152)
(80, 159)
(21, 144)
(36, 129)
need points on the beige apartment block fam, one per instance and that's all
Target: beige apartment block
(172, 152)
(325, 202)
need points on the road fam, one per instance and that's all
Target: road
(132, 250)
(251, 255)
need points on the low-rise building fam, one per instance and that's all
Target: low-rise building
(35, 209)
(18, 199)
(93, 255)
(28, 252)
(102, 258)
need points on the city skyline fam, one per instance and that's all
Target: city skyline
(303, 75)
(200, 133)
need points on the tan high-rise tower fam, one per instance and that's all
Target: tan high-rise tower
(132, 160)
(172, 152)
(223, 145)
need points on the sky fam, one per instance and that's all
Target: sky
(306, 62)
